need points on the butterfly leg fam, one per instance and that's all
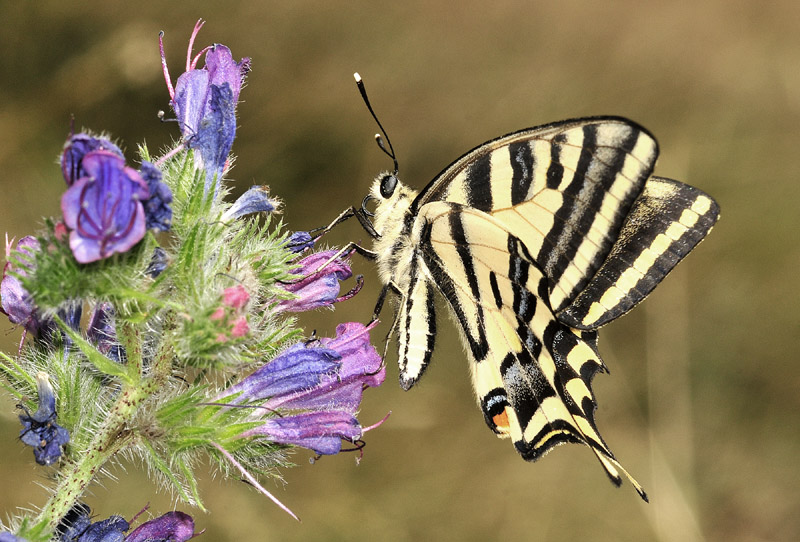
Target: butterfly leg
(348, 213)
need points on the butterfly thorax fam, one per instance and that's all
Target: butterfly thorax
(393, 221)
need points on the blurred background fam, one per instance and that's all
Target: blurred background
(702, 403)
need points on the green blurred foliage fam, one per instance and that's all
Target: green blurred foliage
(701, 404)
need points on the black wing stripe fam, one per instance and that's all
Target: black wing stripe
(555, 171)
(478, 178)
(542, 373)
(475, 335)
(523, 164)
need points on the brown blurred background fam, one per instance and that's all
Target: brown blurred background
(702, 403)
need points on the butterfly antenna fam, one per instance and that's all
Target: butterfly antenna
(390, 151)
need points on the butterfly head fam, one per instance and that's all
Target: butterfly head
(392, 200)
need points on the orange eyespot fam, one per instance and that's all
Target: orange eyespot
(501, 421)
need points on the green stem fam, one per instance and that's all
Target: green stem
(114, 435)
(111, 438)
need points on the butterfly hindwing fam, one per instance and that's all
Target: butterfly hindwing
(666, 222)
(532, 373)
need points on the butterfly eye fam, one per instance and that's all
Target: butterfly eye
(388, 184)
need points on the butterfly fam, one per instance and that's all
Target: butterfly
(535, 239)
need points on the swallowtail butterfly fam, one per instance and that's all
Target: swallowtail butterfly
(535, 239)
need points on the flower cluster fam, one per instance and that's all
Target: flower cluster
(77, 526)
(318, 385)
(182, 293)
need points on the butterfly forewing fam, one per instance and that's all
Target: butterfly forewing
(564, 189)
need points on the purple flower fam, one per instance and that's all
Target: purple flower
(40, 429)
(320, 431)
(8, 537)
(255, 200)
(204, 100)
(76, 148)
(299, 241)
(111, 529)
(102, 332)
(17, 302)
(104, 209)
(77, 526)
(295, 369)
(320, 385)
(158, 263)
(157, 212)
(319, 282)
(171, 527)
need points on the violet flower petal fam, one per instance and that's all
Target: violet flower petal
(171, 527)
(104, 209)
(111, 529)
(215, 135)
(17, 302)
(255, 200)
(39, 430)
(157, 210)
(8, 537)
(361, 366)
(320, 431)
(204, 101)
(296, 368)
(76, 148)
(102, 332)
(317, 287)
(299, 241)
(158, 263)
